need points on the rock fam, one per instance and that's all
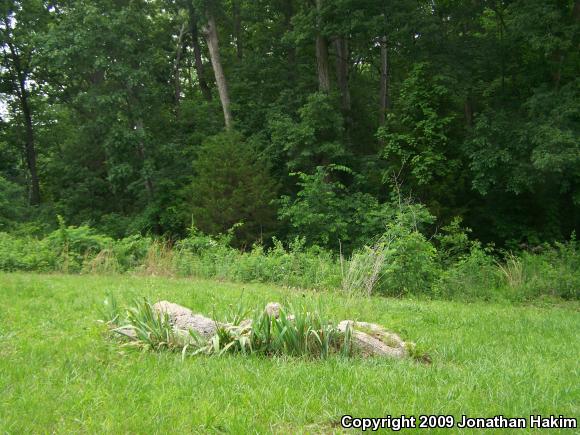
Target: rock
(273, 309)
(372, 339)
(369, 339)
(182, 318)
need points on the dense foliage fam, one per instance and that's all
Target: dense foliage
(113, 115)
(402, 262)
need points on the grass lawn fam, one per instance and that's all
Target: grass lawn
(59, 372)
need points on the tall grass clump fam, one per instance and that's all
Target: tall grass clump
(512, 271)
(365, 269)
(159, 260)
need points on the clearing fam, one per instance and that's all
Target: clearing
(59, 372)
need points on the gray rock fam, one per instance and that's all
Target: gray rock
(372, 339)
(182, 318)
(273, 309)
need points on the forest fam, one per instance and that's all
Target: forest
(313, 122)
(264, 216)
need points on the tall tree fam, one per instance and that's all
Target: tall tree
(212, 39)
(20, 21)
(197, 56)
(321, 51)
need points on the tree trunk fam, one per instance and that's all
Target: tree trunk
(321, 52)
(34, 196)
(341, 46)
(198, 63)
(177, 67)
(468, 110)
(237, 27)
(29, 143)
(220, 78)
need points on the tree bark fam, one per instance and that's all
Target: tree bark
(342, 55)
(177, 67)
(468, 110)
(220, 78)
(321, 53)
(197, 61)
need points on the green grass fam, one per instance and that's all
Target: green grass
(60, 373)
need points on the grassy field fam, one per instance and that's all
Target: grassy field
(60, 373)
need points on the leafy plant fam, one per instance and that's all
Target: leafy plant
(152, 329)
(303, 334)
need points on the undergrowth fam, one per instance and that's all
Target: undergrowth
(401, 262)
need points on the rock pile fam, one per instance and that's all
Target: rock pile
(369, 339)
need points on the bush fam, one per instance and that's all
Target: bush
(474, 276)
(297, 266)
(410, 264)
(73, 246)
(26, 254)
(553, 272)
(233, 184)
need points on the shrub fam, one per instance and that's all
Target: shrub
(72, 245)
(233, 184)
(553, 272)
(453, 242)
(410, 263)
(27, 254)
(473, 276)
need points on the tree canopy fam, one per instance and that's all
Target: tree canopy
(113, 115)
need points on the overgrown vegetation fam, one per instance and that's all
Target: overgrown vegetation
(401, 262)
(301, 334)
(296, 118)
